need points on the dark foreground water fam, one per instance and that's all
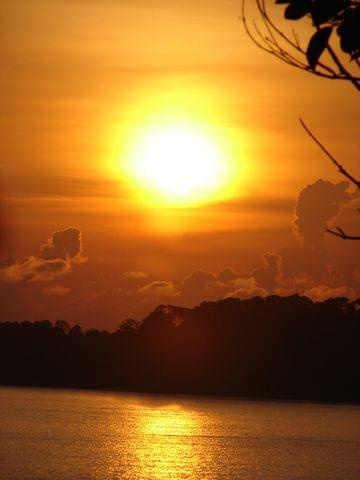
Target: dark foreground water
(64, 434)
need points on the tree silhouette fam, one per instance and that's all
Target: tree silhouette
(330, 19)
(285, 347)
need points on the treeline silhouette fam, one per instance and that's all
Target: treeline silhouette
(274, 347)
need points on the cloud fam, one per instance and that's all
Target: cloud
(197, 278)
(317, 204)
(318, 258)
(34, 269)
(195, 286)
(56, 258)
(134, 275)
(348, 217)
(244, 293)
(268, 275)
(227, 274)
(304, 260)
(56, 290)
(63, 244)
(317, 266)
(162, 288)
(201, 285)
(247, 288)
(323, 292)
(7, 262)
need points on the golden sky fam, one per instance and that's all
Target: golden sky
(85, 83)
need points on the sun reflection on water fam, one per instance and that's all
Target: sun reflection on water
(166, 447)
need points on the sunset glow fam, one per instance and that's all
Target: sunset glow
(179, 239)
(151, 154)
(178, 164)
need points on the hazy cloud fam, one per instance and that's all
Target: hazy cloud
(57, 290)
(134, 275)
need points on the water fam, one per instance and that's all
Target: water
(64, 434)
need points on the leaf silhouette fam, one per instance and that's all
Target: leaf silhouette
(349, 34)
(297, 9)
(317, 45)
(324, 10)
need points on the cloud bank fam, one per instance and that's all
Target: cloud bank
(316, 265)
(56, 258)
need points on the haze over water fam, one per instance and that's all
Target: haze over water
(64, 434)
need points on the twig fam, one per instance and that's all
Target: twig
(342, 69)
(340, 168)
(340, 233)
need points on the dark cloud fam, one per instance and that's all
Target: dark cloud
(194, 286)
(304, 259)
(268, 275)
(62, 244)
(227, 274)
(7, 262)
(317, 204)
(198, 278)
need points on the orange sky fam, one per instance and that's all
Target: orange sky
(79, 78)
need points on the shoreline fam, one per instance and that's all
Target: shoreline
(197, 396)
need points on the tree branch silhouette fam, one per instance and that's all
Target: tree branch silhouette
(338, 232)
(343, 17)
(341, 169)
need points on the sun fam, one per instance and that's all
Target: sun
(178, 164)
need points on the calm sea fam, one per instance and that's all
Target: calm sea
(64, 434)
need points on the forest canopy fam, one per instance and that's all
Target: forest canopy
(273, 347)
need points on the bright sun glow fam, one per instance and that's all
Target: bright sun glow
(178, 165)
